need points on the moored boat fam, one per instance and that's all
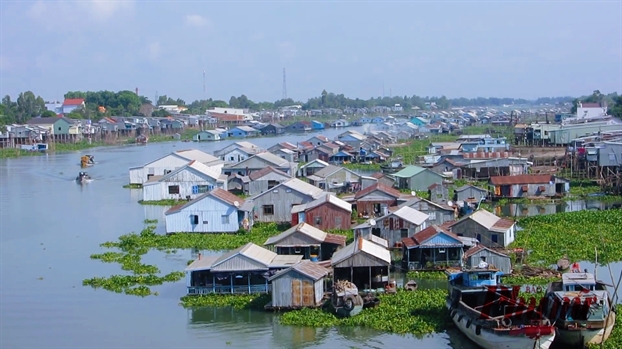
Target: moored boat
(491, 316)
(580, 307)
(346, 299)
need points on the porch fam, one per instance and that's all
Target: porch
(364, 278)
(246, 282)
(420, 258)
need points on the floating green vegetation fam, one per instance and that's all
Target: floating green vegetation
(15, 153)
(150, 221)
(576, 234)
(241, 301)
(420, 313)
(142, 275)
(427, 275)
(362, 167)
(133, 186)
(528, 280)
(165, 202)
(614, 341)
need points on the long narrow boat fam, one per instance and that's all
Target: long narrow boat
(491, 316)
(581, 308)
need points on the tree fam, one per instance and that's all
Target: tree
(48, 114)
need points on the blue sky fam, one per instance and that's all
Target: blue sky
(459, 49)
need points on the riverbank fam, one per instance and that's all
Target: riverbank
(85, 144)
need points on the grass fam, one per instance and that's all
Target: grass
(133, 186)
(164, 202)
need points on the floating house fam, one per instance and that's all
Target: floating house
(208, 135)
(544, 185)
(395, 226)
(489, 229)
(364, 263)
(242, 131)
(244, 270)
(417, 178)
(239, 144)
(171, 162)
(469, 193)
(311, 168)
(299, 286)
(496, 260)
(376, 199)
(306, 240)
(275, 205)
(326, 212)
(258, 162)
(335, 179)
(187, 182)
(437, 213)
(431, 248)
(264, 180)
(217, 211)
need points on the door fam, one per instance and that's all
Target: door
(296, 293)
(294, 218)
(307, 293)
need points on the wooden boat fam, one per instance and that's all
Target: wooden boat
(489, 314)
(346, 299)
(142, 139)
(580, 307)
(87, 161)
(411, 285)
(83, 178)
(392, 166)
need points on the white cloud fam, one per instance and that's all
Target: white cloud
(196, 21)
(287, 51)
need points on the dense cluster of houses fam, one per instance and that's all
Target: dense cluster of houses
(304, 186)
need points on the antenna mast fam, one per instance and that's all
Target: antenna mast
(284, 85)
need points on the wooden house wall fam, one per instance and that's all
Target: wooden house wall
(329, 214)
(501, 262)
(367, 182)
(436, 215)
(210, 212)
(293, 284)
(422, 180)
(291, 157)
(298, 239)
(261, 185)
(470, 192)
(157, 168)
(391, 229)
(516, 190)
(361, 259)
(185, 180)
(342, 176)
(470, 228)
(234, 156)
(367, 202)
(282, 201)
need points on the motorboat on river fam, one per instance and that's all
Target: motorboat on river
(490, 314)
(581, 308)
(83, 178)
(87, 160)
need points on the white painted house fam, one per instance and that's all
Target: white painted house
(235, 145)
(260, 161)
(217, 211)
(187, 182)
(171, 162)
(235, 155)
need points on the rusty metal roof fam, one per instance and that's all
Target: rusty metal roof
(383, 188)
(522, 179)
(307, 268)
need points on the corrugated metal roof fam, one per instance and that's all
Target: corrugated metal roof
(195, 154)
(467, 186)
(428, 233)
(264, 171)
(195, 165)
(315, 163)
(304, 228)
(202, 263)
(378, 240)
(284, 261)
(250, 251)
(303, 187)
(473, 250)
(217, 193)
(307, 268)
(361, 246)
(489, 221)
(409, 171)
(380, 187)
(522, 179)
(411, 215)
(273, 159)
(328, 198)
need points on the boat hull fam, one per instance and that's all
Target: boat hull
(488, 340)
(342, 312)
(584, 336)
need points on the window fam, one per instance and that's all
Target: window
(231, 158)
(224, 219)
(494, 238)
(272, 184)
(173, 189)
(337, 222)
(167, 171)
(200, 189)
(149, 176)
(194, 219)
(268, 210)
(404, 233)
(318, 220)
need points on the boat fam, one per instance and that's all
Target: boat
(346, 300)
(87, 160)
(141, 139)
(580, 307)
(83, 177)
(370, 301)
(490, 315)
(411, 285)
(392, 166)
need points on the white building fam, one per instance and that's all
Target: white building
(187, 182)
(171, 162)
(217, 211)
(590, 110)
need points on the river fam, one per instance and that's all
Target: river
(49, 226)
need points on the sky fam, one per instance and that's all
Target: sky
(521, 49)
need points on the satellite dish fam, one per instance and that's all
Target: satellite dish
(372, 222)
(413, 193)
(236, 204)
(450, 203)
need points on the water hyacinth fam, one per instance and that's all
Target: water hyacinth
(577, 234)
